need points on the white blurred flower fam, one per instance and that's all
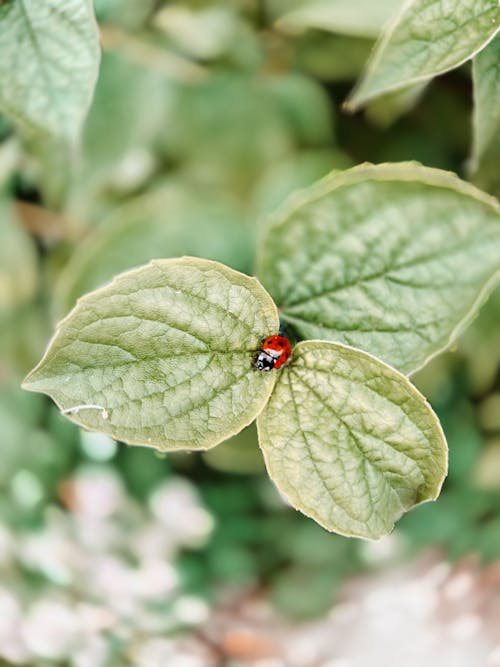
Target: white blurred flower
(97, 491)
(95, 618)
(11, 644)
(94, 652)
(155, 652)
(191, 610)
(152, 541)
(51, 629)
(51, 554)
(177, 505)
(155, 579)
(115, 582)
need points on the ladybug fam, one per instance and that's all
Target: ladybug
(275, 352)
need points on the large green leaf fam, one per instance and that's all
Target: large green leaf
(349, 441)
(486, 144)
(163, 355)
(49, 58)
(392, 259)
(428, 38)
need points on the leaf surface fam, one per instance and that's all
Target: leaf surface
(391, 259)
(163, 355)
(49, 58)
(349, 441)
(428, 37)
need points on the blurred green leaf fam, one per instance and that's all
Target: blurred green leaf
(392, 259)
(23, 336)
(360, 19)
(486, 118)
(486, 78)
(428, 38)
(349, 441)
(49, 57)
(209, 33)
(240, 454)
(226, 130)
(332, 57)
(386, 109)
(25, 446)
(299, 171)
(128, 13)
(172, 220)
(18, 262)
(305, 106)
(303, 593)
(127, 113)
(163, 355)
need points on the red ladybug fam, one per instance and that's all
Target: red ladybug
(275, 352)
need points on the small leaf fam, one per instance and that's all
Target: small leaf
(391, 259)
(349, 441)
(163, 355)
(486, 143)
(428, 38)
(49, 58)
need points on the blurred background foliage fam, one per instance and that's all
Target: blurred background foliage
(206, 116)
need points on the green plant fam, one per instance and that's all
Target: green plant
(375, 269)
(163, 356)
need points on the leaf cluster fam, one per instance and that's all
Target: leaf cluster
(374, 269)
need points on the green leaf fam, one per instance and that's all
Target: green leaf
(486, 125)
(428, 38)
(163, 355)
(49, 58)
(332, 57)
(360, 19)
(392, 259)
(172, 220)
(226, 130)
(350, 441)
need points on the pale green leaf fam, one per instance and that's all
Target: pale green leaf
(486, 125)
(171, 221)
(49, 58)
(392, 259)
(349, 441)
(360, 19)
(428, 38)
(163, 355)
